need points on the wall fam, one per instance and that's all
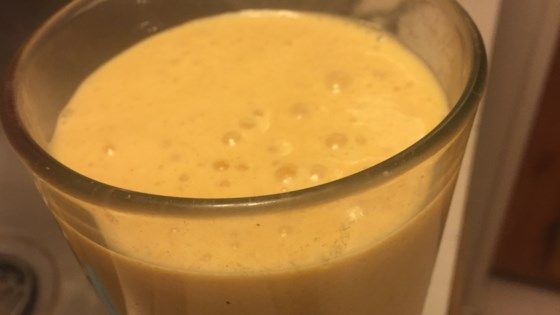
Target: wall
(523, 49)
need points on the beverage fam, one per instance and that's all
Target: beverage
(248, 104)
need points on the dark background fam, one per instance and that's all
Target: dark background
(18, 19)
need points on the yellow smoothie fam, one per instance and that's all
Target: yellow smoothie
(248, 104)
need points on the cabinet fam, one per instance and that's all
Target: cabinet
(529, 247)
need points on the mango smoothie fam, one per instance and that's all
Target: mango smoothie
(248, 104)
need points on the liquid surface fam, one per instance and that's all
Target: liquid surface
(248, 104)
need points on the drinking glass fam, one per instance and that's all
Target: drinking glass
(384, 223)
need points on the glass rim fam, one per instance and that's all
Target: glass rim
(92, 191)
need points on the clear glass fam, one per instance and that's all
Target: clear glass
(361, 273)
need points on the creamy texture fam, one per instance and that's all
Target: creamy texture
(247, 104)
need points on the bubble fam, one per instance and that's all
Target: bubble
(286, 173)
(336, 140)
(184, 177)
(335, 88)
(247, 123)
(231, 138)
(174, 230)
(258, 119)
(355, 213)
(299, 111)
(336, 81)
(221, 165)
(285, 231)
(281, 147)
(109, 150)
(224, 183)
(318, 172)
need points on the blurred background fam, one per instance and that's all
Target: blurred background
(501, 248)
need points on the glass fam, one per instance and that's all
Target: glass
(380, 275)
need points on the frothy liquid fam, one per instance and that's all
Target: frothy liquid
(247, 104)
